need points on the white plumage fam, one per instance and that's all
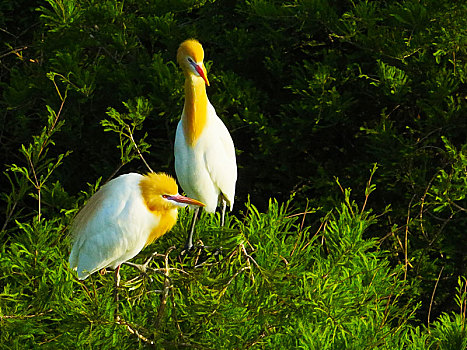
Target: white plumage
(205, 161)
(121, 218)
(208, 168)
(116, 232)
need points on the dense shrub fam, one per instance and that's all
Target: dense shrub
(311, 91)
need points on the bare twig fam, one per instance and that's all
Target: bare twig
(304, 215)
(167, 286)
(137, 150)
(232, 278)
(9, 215)
(368, 193)
(432, 297)
(2, 317)
(37, 185)
(144, 266)
(252, 276)
(134, 331)
(422, 204)
(302, 224)
(445, 222)
(249, 256)
(321, 227)
(165, 293)
(457, 205)
(398, 242)
(406, 259)
(342, 190)
(13, 51)
(113, 173)
(463, 305)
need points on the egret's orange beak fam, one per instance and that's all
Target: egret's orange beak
(184, 200)
(202, 72)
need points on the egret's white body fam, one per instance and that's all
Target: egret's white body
(121, 218)
(208, 168)
(205, 161)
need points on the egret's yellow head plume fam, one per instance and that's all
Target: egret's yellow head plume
(163, 183)
(154, 186)
(191, 48)
(160, 193)
(190, 56)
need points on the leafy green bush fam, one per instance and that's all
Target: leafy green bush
(311, 91)
(273, 284)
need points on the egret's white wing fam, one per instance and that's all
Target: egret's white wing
(220, 158)
(111, 228)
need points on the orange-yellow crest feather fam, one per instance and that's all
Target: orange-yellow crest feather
(153, 187)
(192, 48)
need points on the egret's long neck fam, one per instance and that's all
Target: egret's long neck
(195, 111)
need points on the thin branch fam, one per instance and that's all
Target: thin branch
(2, 317)
(406, 260)
(167, 286)
(463, 305)
(134, 331)
(445, 222)
(14, 51)
(232, 278)
(137, 150)
(113, 173)
(456, 205)
(301, 228)
(321, 227)
(432, 298)
(38, 188)
(422, 204)
(44, 143)
(368, 188)
(249, 257)
(304, 215)
(9, 215)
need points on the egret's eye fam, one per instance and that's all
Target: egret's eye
(190, 60)
(165, 196)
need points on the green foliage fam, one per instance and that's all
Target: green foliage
(448, 188)
(125, 126)
(39, 167)
(311, 91)
(273, 284)
(450, 331)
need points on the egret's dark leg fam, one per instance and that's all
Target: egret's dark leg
(117, 284)
(224, 205)
(117, 276)
(189, 241)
